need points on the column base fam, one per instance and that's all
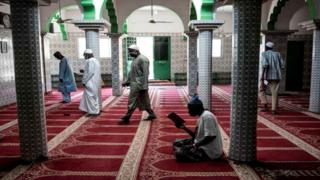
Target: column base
(39, 159)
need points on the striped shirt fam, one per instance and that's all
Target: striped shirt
(273, 62)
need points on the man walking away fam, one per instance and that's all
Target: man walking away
(272, 65)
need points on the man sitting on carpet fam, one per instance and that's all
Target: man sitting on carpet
(206, 142)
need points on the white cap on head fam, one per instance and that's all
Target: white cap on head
(88, 51)
(134, 46)
(270, 44)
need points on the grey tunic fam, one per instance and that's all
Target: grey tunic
(273, 61)
(138, 80)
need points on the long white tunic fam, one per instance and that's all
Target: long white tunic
(92, 81)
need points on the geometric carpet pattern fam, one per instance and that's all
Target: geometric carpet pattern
(278, 157)
(294, 121)
(94, 151)
(158, 161)
(101, 149)
(58, 118)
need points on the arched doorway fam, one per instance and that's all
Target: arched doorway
(153, 36)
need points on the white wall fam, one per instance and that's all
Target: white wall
(5, 8)
(228, 21)
(7, 80)
(300, 16)
(46, 11)
(287, 13)
(126, 7)
(138, 22)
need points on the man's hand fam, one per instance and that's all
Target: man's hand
(262, 87)
(61, 80)
(194, 145)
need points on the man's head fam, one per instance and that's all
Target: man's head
(133, 50)
(88, 54)
(58, 55)
(269, 45)
(195, 106)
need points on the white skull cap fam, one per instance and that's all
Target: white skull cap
(88, 51)
(134, 46)
(270, 44)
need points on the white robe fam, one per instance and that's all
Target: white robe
(92, 81)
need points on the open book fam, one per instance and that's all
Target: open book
(178, 121)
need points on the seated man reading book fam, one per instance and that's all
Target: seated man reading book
(206, 142)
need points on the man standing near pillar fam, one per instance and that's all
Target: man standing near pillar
(67, 83)
(91, 82)
(272, 65)
(138, 82)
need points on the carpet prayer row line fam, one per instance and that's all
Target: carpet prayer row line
(96, 150)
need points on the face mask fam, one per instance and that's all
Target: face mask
(133, 53)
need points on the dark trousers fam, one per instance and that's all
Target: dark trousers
(129, 113)
(185, 152)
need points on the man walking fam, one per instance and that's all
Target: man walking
(67, 83)
(138, 82)
(272, 64)
(91, 82)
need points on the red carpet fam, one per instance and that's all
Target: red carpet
(278, 157)
(57, 119)
(158, 161)
(94, 151)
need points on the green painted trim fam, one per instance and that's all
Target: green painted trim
(63, 32)
(53, 16)
(207, 10)
(125, 27)
(276, 12)
(312, 9)
(193, 12)
(112, 16)
(89, 11)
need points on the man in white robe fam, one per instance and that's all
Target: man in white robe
(91, 82)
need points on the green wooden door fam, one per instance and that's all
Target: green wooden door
(128, 58)
(162, 57)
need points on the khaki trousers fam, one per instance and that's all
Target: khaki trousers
(274, 87)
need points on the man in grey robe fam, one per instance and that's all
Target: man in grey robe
(67, 83)
(138, 82)
(91, 82)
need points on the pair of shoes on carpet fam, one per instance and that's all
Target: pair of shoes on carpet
(92, 115)
(150, 118)
(123, 122)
